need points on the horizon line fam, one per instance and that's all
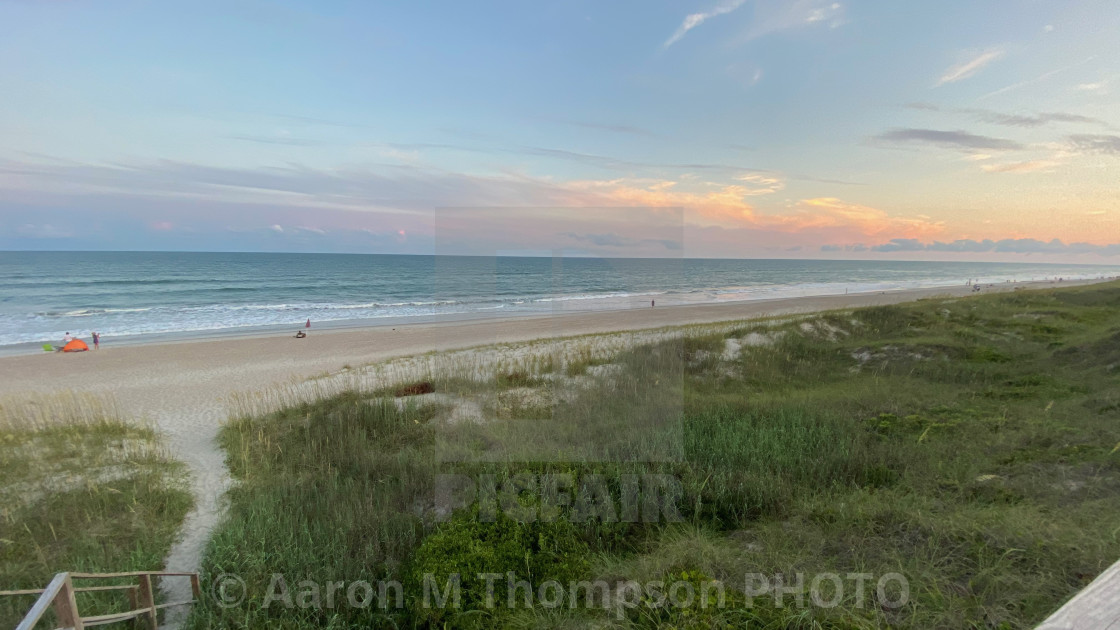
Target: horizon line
(680, 258)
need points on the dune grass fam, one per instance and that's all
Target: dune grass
(970, 445)
(83, 490)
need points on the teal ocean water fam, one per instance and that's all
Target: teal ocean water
(131, 295)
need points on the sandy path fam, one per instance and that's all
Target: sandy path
(182, 387)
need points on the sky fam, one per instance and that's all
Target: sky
(953, 130)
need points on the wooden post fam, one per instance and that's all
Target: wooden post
(196, 589)
(148, 600)
(66, 606)
(133, 604)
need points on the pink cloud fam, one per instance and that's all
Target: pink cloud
(736, 215)
(728, 206)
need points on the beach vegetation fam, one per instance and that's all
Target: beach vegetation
(970, 445)
(84, 490)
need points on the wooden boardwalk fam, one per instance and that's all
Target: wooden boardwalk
(1097, 607)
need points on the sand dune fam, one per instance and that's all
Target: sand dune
(183, 387)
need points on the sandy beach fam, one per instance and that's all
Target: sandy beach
(152, 377)
(183, 387)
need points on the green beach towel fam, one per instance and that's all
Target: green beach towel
(48, 347)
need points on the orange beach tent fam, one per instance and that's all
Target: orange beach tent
(76, 345)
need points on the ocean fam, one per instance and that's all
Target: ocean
(140, 296)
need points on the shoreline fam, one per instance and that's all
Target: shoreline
(282, 356)
(701, 312)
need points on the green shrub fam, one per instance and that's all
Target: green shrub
(535, 552)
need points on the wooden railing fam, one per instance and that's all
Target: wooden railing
(60, 595)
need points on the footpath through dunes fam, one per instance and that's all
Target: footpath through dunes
(185, 388)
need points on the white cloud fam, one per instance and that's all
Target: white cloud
(1042, 77)
(745, 75)
(696, 19)
(276, 228)
(972, 66)
(821, 14)
(1097, 86)
(771, 16)
(760, 185)
(1030, 166)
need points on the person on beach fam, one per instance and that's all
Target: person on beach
(67, 338)
(651, 303)
(300, 334)
(96, 341)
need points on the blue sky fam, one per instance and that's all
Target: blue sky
(795, 128)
